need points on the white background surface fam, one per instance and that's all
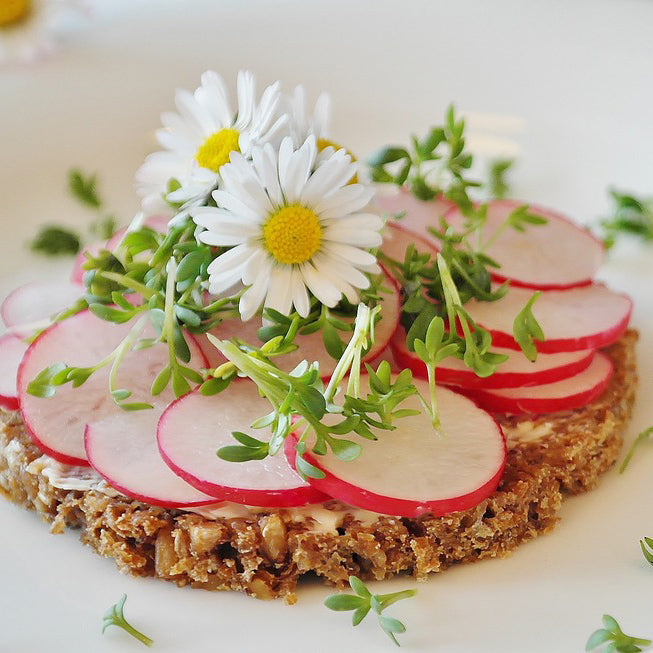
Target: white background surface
(573, 84)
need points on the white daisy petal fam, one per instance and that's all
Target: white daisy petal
(245, 87)
(320, 285)
(349, 254)
(356, 237)
(299, 293)
(280, 289)
(232, 258)
(253, 297)
(265, 165)
(298, 170)
(216, 98)
(326, 179)
(284, 157)
(348, 199)
(357, 221)
(259, 263)
(234, 204)
(334, 268)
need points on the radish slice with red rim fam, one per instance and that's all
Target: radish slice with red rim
(415, 470)
(588, 317)
(516, 371)
(12, 350)
(556, 255)
(57, 424)
(311, 347)
(194, 427)
(38, 301)
(416, 215)
(397, 238)
(123, 449)
(569, 394)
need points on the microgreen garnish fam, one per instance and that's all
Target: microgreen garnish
(84, 188)
(630, 215)
(616, 640)
(57, 240)
(114, 617)
(642, 437)
(526, 329)
(498, 186)
(647, 548)
(54, 240)
(362, 601)
(434, 165)
(302, 394)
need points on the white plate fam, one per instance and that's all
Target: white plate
(567, 85)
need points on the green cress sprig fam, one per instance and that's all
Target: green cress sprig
(362, 601)
(434, 165)
(616, 640)
(114, 616)
(166, 273)
(300, 401)
(630, 215)
(642, 437)
(441, 285)
(497, 183)
(56, 240)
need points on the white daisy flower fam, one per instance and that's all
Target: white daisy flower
(29, 29)
(291, 228)
(199, 139)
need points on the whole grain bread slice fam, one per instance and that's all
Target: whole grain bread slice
(265, 553)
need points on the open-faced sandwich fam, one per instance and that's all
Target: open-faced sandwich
(279, 368)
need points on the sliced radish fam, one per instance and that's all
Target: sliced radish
(559, 254)
(194, 427)
(415, 470)
(516, 371)
(416, 215)
(568, 394)
(12, 350)
(57, 424)
(88, 251)
(397, 238)
(588, 317)
(38, 301)
(310, 347)
(122, 448)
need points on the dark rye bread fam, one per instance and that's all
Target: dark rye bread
(264, 554)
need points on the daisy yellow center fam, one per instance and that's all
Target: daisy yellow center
(11, 11)
(323, 143)
(293, 234)
(215, 150)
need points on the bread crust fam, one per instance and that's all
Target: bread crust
(265, 554)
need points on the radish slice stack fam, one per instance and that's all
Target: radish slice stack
(415, 470)
(568, 394)
(167, 456)
(194, 427)
(517, 371)
(57, 424)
